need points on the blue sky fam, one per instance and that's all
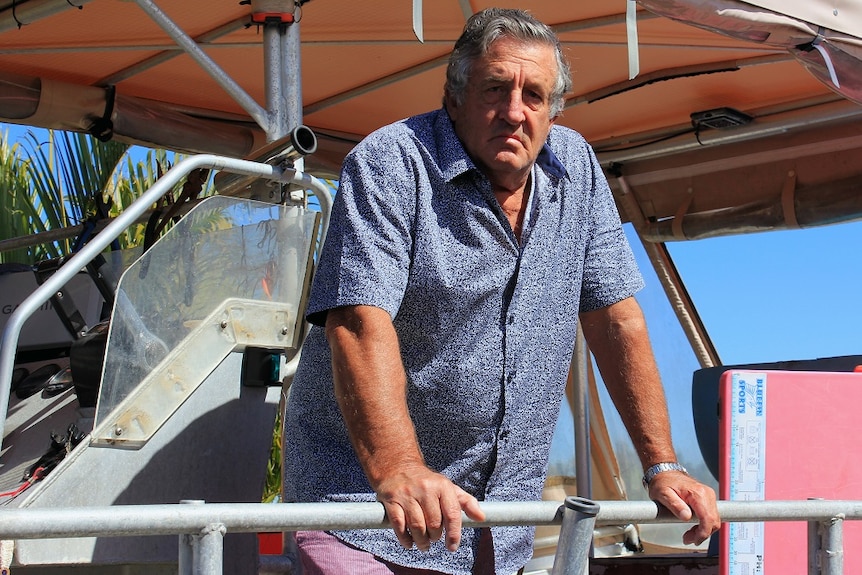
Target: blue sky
(778, 296)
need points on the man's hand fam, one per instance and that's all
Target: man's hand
(421, 505)
(684, 496)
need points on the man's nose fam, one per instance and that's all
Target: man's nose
(512, 107)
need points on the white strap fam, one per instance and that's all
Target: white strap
(829, 66)
(417, 21)
(632, 38)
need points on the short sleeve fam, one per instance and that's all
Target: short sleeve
(366, 257)
(611, 273)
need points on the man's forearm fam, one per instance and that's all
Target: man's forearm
(370, 386)
(618, 338)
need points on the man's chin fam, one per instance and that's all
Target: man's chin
(510, 162)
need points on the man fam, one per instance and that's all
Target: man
(464, 245)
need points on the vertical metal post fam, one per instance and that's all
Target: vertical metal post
(813, 548)
(277, 127)
(282, 76)
(576, 537)
(291, 75)
(814, 544)
(187, 554)
(581, 408)
(210, 557)
(832, 546)
(202, 553)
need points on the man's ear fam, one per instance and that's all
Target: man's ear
(449, 102)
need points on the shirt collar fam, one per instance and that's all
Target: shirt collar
(454, 160)
(549, 162)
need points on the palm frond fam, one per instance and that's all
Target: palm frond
(16, 211)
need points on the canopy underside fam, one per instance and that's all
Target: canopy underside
(793, 162)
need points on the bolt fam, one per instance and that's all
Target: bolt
(284, 330)
(223, 324)
(118, 431)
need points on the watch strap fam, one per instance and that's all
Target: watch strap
(654, 470)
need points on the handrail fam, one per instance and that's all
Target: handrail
(201, 527)
(12, 331)
(172, 519)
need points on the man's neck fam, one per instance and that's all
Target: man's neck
(513, 202)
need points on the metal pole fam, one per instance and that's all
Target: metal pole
(229, 85)
(813, 548)
(814, 544)
(185, 565)
(581, 409)
(291, 81)
(291, 75)
(209, 558)
(278, 126)
(576, 537)
(188, 545)
(832, 546)
(131, 520)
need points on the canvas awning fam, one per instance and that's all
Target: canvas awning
(66, 66)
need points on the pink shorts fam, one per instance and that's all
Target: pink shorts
(323, 554)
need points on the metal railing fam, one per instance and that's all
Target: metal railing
(201, 527)
(12, 331)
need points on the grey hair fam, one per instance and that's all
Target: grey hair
(488, 26)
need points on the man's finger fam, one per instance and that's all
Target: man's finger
(695, 535)
(399, 526)
(415, 520)
(450, 506)
(470, 505)
(433, 507)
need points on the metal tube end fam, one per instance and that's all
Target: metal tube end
(582, 505)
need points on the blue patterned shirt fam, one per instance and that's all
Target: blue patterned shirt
(486, 323)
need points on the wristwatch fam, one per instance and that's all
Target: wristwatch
(654, 470)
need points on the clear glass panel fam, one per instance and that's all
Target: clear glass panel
(225, 248)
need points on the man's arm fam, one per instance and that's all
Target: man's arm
(370, 385)
(617, 336)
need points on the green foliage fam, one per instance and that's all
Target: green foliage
(17, 213)
(68, 174)
(272, 486)
(51, 185)
(60, 182)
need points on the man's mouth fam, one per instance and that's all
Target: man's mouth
(509, 137)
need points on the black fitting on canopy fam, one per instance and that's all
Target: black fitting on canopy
(103, 128)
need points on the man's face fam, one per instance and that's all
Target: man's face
(504, 118)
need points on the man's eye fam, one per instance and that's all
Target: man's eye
(534, 99)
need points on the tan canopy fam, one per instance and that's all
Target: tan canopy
(790, 157)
